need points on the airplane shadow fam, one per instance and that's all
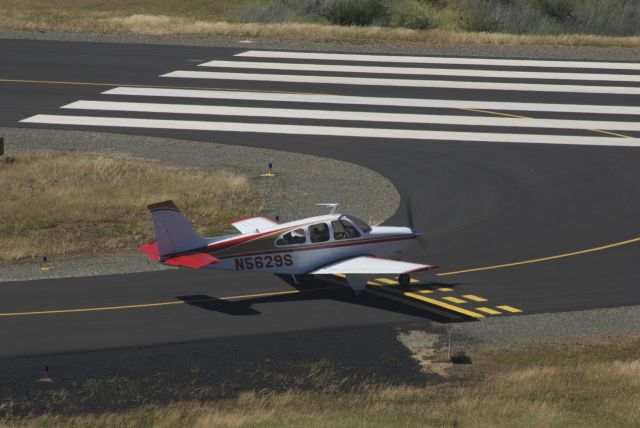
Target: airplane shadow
(229, 307)
(320, 289)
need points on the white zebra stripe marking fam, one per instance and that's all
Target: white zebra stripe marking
(441, 60)
(264, 128)
(372, 101)
(538, 75)
(367, 81)
(466, 120)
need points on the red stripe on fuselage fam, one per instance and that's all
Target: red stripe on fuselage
(321, 246)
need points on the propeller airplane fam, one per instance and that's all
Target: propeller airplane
(323, 245)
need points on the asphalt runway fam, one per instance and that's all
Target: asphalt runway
(503, 195)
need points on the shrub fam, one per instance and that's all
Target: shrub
(612, 18)
(507, 16)
(410, 14)
(478, 16)
(556, 9)
(357, 12)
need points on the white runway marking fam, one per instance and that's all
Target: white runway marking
(122, 122)
(440, 60)
(371, 101)
(367, 81)
(466, 120)
(538, 75)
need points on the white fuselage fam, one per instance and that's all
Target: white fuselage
(381, 241)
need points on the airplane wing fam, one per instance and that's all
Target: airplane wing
(254, 224)
(368, 265)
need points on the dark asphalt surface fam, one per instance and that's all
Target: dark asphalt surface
(480, 204)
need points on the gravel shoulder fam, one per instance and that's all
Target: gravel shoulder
(301, 181)
(551, 327)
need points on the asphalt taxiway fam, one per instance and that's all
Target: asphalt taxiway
(541, 227)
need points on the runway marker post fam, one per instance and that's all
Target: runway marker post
(45, 378)
(269, 171)
(45, 263)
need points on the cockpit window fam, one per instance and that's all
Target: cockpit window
(361, 224)
(319, 232)
(294, 237)
(343, 229)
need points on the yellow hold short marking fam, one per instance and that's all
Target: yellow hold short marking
(454, 299)
(489, 311)
(387, 281)
(445, 289)
(474, 298)
(509, 308)
(445, 305)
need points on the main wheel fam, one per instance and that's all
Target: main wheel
(404, 280)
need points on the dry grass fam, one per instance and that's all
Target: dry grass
(200, 18)
(582, 385)
(60, 203)
(160, 25)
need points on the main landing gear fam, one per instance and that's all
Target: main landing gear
(301, 279)
(404, 280)
(358, 284)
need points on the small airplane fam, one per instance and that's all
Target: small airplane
(323, 245)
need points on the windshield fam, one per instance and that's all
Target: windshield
(361, 224)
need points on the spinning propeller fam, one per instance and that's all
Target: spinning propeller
(420, 235)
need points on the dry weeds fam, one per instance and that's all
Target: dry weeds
(112, 21)
(60, 203)
(162, 25)
(508, 387)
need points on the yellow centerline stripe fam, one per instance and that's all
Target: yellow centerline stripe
(543, 259)
(610, 133)
(157, 304)
(497, 113)
(445, 305)
(131, 85)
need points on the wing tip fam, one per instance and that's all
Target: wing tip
(252, 217)
(425, 268)
(164, 205)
